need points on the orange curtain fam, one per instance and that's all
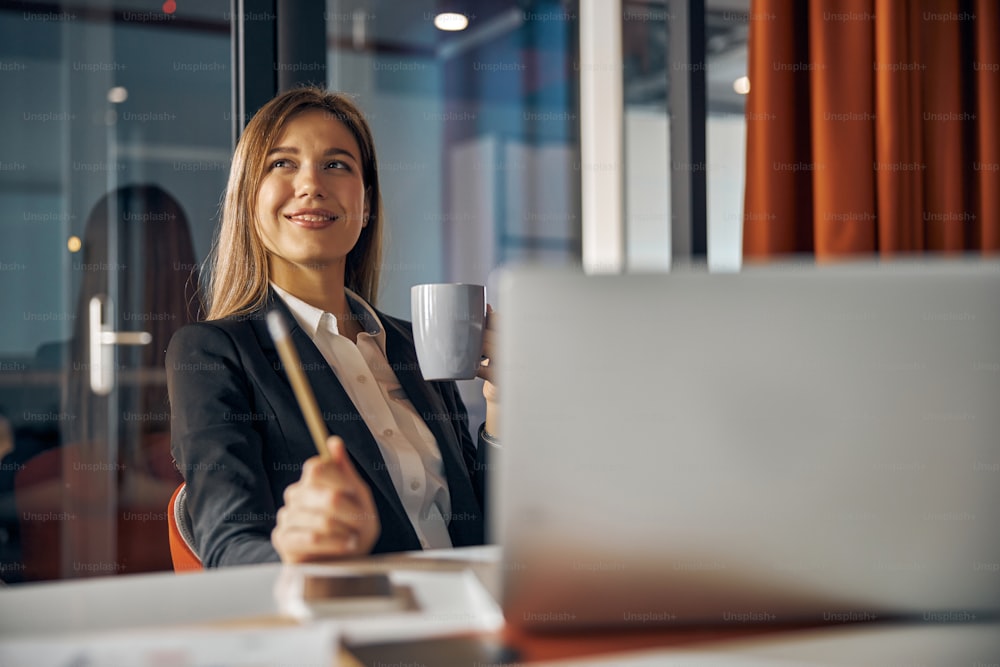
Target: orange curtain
(873, 126)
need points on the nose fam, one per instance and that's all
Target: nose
(308, 183)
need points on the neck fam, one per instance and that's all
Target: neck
(320, 286)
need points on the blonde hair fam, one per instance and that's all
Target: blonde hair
(237, 266)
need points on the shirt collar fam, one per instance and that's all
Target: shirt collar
(307, 316)
(313, 319)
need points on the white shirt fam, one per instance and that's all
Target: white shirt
(410, 451)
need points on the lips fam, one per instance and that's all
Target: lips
(312, 218)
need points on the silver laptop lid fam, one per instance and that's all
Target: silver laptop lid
(783, 443)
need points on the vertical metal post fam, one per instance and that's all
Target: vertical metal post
(601, 136)
(301, 36)
(255, 56)
(687, 105)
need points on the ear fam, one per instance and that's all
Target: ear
(364, 214)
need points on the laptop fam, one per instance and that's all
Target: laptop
(784, 444)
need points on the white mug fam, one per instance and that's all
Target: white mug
(448, 324)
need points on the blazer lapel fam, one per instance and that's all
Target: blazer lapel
(339, 413)
(429, 405)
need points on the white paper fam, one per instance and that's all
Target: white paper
(449, 603)
(483, 554)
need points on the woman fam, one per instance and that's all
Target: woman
(141, 220)
(301, 233)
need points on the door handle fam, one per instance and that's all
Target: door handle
(102, 341)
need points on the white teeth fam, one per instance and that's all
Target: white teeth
(311, 218)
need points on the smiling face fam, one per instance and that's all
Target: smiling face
(312, 203)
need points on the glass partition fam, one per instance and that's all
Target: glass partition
(113, 159)
(477, 136)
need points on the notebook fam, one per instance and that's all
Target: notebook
(783, 444)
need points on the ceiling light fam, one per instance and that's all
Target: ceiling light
(451, 21)
(742, 85)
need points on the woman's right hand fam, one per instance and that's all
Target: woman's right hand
(328, 513)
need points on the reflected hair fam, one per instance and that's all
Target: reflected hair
(146, 219)
(236, 268)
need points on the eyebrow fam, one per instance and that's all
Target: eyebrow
(327, 153)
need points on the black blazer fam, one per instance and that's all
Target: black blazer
(239, 438)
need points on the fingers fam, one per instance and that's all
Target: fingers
(304, 533)
(335, 472)
(487, 367)
(323, 508)
(490, 392)
(335, 445)
(492, 321)
(485, 371)
(340, 459)
(298, 542)
(328, 513)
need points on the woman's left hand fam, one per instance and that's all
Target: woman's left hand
(487, 367)
(487, 371)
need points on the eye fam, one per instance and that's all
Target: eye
(337, 164)
(280, 164)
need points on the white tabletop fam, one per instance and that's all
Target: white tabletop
(451, 600)
(140, 600)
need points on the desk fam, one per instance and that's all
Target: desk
(448, 583)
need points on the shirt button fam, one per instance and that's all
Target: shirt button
(388, 432)
(414, 485)
(362, 379)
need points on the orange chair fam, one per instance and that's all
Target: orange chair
(55, 484)
(182, 551)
